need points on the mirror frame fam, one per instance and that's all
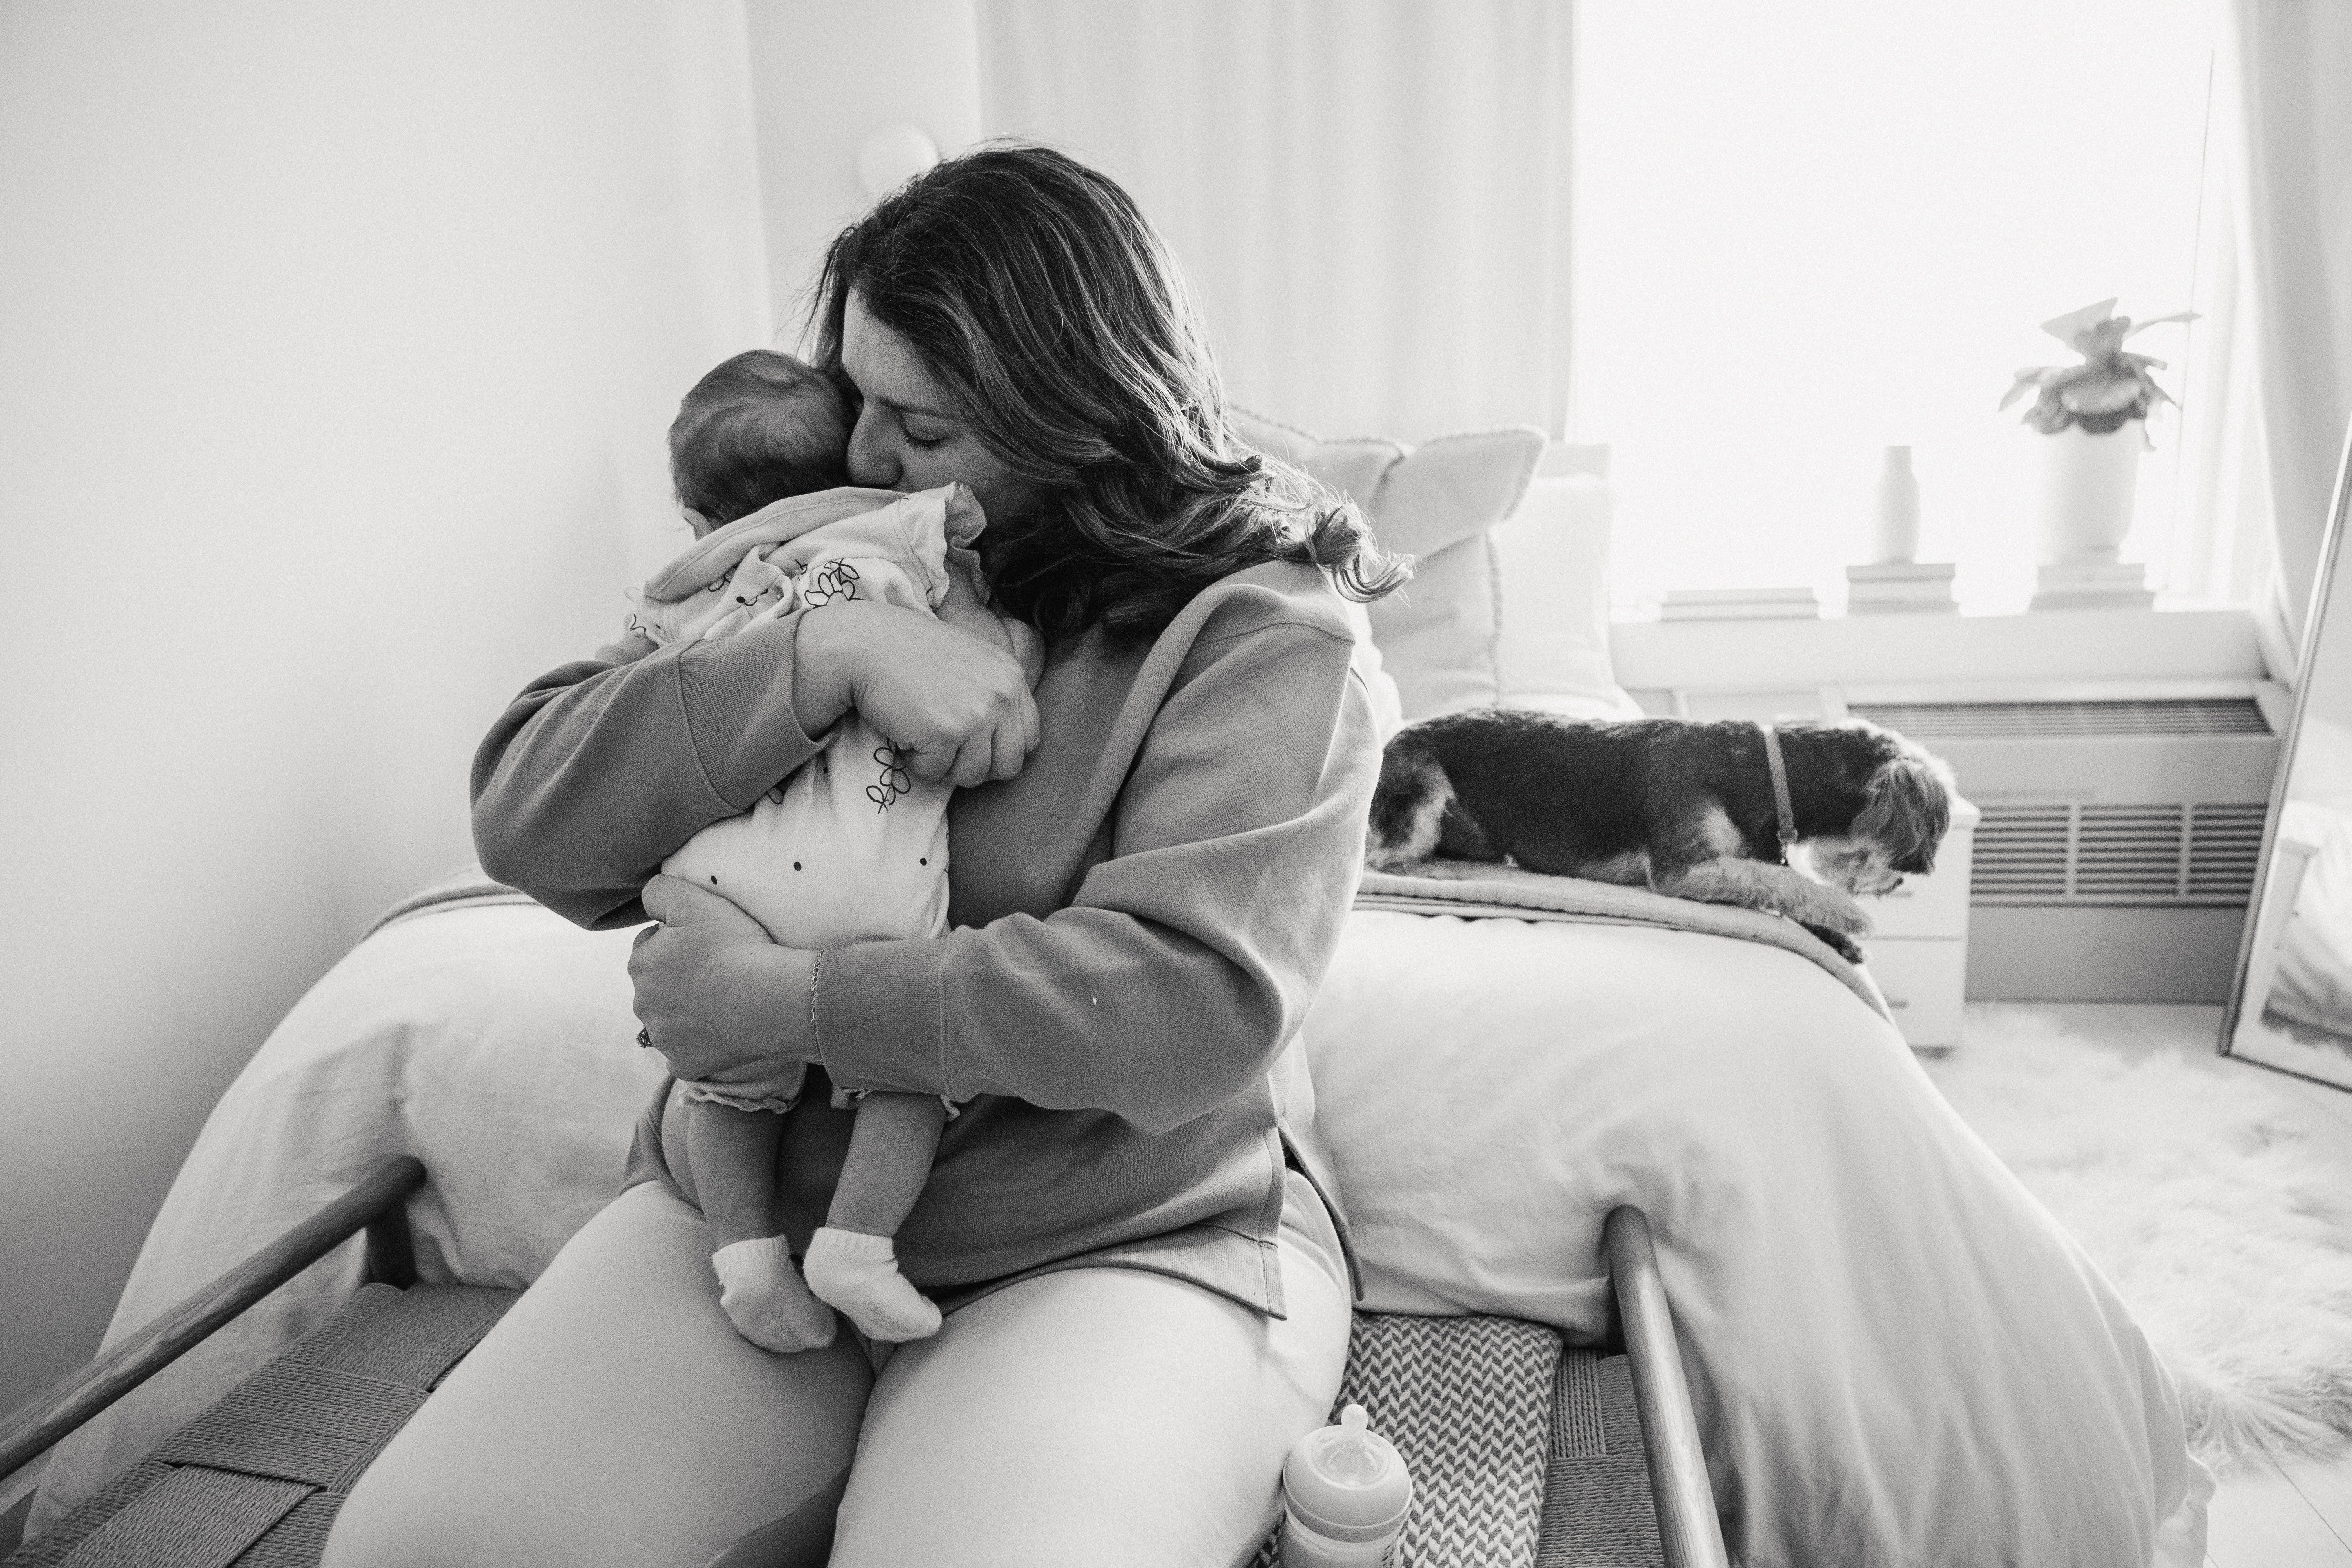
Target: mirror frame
(2331, 546)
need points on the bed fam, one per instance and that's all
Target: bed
(1895, 1354)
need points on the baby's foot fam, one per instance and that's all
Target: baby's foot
(859, 1274)
(765, 1298)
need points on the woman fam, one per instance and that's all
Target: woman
(1148, 1299)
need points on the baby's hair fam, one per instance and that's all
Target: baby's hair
(760, 428)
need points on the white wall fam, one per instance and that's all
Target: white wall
(336, 346)
(826, 76)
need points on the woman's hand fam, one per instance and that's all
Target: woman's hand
(719, 1001)
(959, 706)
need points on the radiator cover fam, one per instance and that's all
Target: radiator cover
(2119, 839)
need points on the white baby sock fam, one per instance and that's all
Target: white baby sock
(859, 1274)
(765, 1298)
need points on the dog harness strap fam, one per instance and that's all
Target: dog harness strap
(1788, 813)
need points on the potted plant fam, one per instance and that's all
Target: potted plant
(2093, 416)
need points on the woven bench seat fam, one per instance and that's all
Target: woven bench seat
(256, 1479)
(1524, 1454)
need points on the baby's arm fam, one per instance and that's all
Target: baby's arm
(963, 608)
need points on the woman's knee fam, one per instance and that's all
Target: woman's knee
(615, 1417)
(1097, 1415)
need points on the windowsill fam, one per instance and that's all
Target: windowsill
(2165, 644)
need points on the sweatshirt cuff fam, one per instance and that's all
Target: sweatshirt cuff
(738, 697)
(880, 1014)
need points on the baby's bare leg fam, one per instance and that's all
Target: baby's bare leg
(733, 1153)
(851, 1260)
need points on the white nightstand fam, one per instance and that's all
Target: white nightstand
(1920, 951)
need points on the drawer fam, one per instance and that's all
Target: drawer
(1926, 985)
(1933, 905)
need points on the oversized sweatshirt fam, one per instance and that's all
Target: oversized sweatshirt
(1138, 921)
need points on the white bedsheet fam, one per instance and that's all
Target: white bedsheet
(1896, 1356)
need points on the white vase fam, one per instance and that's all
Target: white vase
(2085, 492)
(1894, 514)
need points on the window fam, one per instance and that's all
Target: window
(1807, 232)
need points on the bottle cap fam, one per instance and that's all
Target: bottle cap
(1347, 1482)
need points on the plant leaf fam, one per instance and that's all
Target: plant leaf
(2064, 328)
(2160, 320)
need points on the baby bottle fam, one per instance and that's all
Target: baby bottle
(1345, 1494)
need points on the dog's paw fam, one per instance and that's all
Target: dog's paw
(1837, 941)
(1818, 904)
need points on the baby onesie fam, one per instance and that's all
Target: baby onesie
(850, 845)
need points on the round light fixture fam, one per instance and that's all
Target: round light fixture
(892, 157)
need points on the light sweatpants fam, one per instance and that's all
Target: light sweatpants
(1090, 1416)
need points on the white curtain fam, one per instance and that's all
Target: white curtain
(2287, 80)
(1369, 197)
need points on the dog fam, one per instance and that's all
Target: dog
(1685, 808)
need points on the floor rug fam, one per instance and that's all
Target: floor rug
(2194, 1188)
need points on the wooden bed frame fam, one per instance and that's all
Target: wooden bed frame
(1689, 1532)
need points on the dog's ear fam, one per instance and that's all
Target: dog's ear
(1907, 809)
(1408, 806)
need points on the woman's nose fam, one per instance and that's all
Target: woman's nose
(870, 462)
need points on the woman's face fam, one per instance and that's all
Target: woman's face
(908, 436)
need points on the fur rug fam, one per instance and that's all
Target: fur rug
(2194, 1186)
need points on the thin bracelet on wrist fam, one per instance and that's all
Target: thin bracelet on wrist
(817, 965)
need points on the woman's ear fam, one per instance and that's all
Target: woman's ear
(694, 520)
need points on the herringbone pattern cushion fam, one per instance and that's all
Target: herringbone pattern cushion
(1523, 1454)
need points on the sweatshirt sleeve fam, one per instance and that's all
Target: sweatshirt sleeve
(599, 770)
(1188, 956)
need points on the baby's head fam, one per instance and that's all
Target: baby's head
(760, 428)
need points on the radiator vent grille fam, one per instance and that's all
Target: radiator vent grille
(2078, 854)
(2164, 716)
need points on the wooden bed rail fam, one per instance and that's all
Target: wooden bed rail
(1688, 1531)
(374, 1206)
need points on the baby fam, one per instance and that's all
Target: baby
(850, 845)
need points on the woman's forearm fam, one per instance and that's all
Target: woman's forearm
(598, 771)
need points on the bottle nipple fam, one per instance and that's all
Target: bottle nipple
(1347, 1483)
(1348, 1456)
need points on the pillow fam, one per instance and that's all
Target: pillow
(1510, 599)
(1551, 573)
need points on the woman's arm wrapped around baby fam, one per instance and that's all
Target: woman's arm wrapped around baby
(598, 771)
(1183, 961)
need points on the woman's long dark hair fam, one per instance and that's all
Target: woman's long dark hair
(1034, 289)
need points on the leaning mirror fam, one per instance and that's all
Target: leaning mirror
(2291, 1006)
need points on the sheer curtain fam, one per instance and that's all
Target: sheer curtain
(2289, 70)
(1369, 197)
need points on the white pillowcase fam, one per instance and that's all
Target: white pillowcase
(1551, 577)
(1509, 601)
